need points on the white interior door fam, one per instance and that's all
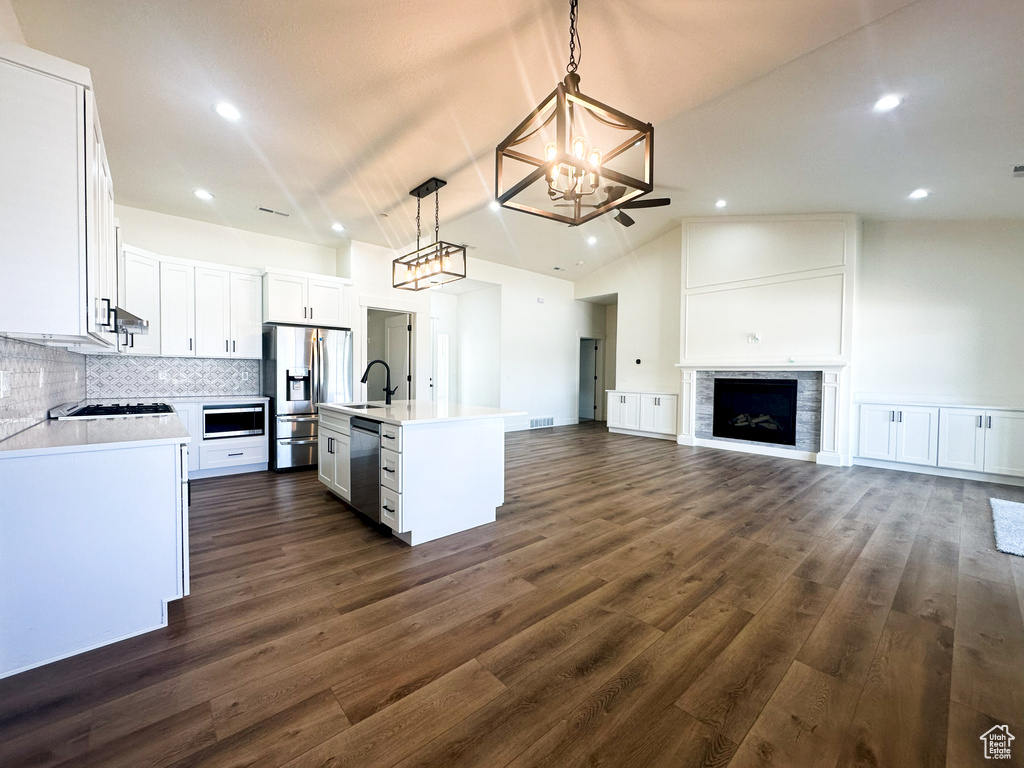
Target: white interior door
(396, 351)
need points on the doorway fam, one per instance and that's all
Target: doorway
(389, 338)
(591, 375)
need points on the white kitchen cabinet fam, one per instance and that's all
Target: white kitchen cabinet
(962, 439)
(333, 462)
(1004, 442)
(191, 415)
(902, 433)
(213, 312)
(623, 410)
(306, 299)
(177, 310)
(140, 295)
(658, 413)
(57, 228)
(246, 296)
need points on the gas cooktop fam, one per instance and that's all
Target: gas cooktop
(109, 410)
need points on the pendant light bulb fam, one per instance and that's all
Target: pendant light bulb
(579, 147)
(550, 151)
(446, 263)
(595, 157)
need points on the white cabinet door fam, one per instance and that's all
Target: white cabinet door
(246, 315)
(878, 432)
(666, 419)
(342, 470)
(213, 312)
(962, 439)
(177, 310)
(325, 457)
(1004, 442)
(649, 413)
(191, 415)
(285, 299)
(327, 305)
(917, 435)
(140, 287)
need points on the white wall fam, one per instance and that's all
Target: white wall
(10, 29)
(940, 312)
(479, 345)
(610, 337)
(444, 318)
(189, 239)
(646, 320)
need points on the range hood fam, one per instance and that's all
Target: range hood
(126, 322)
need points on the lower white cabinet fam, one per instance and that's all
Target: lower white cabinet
(233, 452)
(333, 462)
(981, 440)
(902, 433)
(650, 412)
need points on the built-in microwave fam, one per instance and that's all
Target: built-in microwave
(233, 420)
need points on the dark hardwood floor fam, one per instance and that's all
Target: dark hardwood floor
(637, 603)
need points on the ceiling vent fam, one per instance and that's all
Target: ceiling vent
(264, 209)
(1018, 171)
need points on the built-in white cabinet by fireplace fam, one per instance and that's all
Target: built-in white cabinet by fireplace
(652, 413)
(306, 299)
(903, 433)
(979, 440)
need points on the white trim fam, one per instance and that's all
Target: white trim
(807, 364)
(761, 450)
(983, 477)
(929, 401)
(134, 249)
(296, 273)
(241, 469)
(638, 433)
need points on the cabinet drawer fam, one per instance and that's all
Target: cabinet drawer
(335, 421)
(391, 437)
(219, 454)
(391, 509)
(391, 470)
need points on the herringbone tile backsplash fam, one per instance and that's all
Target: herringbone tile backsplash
(40, 379)
(131, 376)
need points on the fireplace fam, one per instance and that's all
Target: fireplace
(757, 410)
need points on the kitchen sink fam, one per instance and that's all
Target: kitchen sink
(362, 406)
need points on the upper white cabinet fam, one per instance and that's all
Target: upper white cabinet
(648, 412)
(246, 325)
(140, 295)
(57, 230)
(177, 310)
(306, 299)
(907, 434)
(213, 312)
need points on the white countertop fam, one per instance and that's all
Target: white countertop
(402, 412)
(73, 435)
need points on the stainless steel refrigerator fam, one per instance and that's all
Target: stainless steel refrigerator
(301, 368)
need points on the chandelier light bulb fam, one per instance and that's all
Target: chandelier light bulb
(579, 147)
(550, 151)
(446, 263)
(594, 157)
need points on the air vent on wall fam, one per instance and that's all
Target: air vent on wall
(542, 421)
(264, 209)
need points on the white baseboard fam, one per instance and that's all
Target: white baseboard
(959, 474)
(199, 474)
(638, 433)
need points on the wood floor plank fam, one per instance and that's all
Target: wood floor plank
(831, 560)
(964, 748)
(730, 694)
(928, 586)
(905, 701)
(802, 724)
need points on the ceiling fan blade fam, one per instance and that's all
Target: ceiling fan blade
(614, 193)
(624, 219)
(655, 202)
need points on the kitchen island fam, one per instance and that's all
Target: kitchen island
(440, 468)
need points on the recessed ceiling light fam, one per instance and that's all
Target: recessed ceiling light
(495, 205)
(721, 204)
(887, 102)
(227, 111)
(591, 240)
(202, 194)
(338, 227)
(918, 194)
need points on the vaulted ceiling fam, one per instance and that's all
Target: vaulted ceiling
(348, 105)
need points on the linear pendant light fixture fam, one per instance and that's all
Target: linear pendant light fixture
(574, 158)
(432, 265)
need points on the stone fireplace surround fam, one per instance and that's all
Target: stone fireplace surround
(823, 410)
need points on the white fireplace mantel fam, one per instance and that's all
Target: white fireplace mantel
(835, 410)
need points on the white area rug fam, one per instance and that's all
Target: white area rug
(1008, 518)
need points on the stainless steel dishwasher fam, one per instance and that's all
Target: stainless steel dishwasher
(364, 453)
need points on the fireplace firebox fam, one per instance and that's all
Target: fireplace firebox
(758, 410)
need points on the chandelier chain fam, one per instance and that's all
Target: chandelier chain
(417, 223)
(437, 216)
(574, 39)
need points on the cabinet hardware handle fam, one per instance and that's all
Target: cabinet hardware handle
(389, 436)
(131, 341)
(900, 419)
(235, 454)
(226, 348)
(190, 344)
(234, 346)
(310, 313)
(979, 422)
(386, 508)
(990, 422)
(892, 415)
(109, 310)
(388, 470)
